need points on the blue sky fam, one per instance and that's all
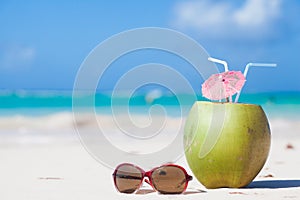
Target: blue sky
(43, 43)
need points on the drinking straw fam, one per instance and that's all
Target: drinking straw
(246, 72)
(225, 68)
(219, 61)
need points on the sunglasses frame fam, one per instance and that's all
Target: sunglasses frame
(148, 174)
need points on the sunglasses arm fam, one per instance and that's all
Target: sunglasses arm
(147, 181)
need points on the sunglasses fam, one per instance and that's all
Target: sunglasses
(166, 179)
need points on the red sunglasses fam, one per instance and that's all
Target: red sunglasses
(166, 179)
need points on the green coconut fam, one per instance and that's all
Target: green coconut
(226, 144)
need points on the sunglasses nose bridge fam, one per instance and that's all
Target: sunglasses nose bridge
(147, 177)
(147, 180)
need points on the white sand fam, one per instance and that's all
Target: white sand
(51, 165)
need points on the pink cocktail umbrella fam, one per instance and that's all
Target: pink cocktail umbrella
(223, 85)
(228, 83)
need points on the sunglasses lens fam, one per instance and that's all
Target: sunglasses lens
(169, 180)
(128, 178)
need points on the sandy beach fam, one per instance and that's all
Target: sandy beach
(51, 163)
(88, 85)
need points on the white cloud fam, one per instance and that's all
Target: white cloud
(257, 13)
(222, 18)
(16, 56)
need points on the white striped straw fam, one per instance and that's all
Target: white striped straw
(246, 72)
(225, 68)
(219, 61)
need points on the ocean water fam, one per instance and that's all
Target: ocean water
(46, 117)
(30, 102)
(55, 107)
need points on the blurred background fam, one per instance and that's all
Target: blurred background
(43, 43)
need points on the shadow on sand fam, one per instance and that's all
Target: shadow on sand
(148, 191)
(274, 184)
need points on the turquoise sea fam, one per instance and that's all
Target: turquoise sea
(38, 103)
